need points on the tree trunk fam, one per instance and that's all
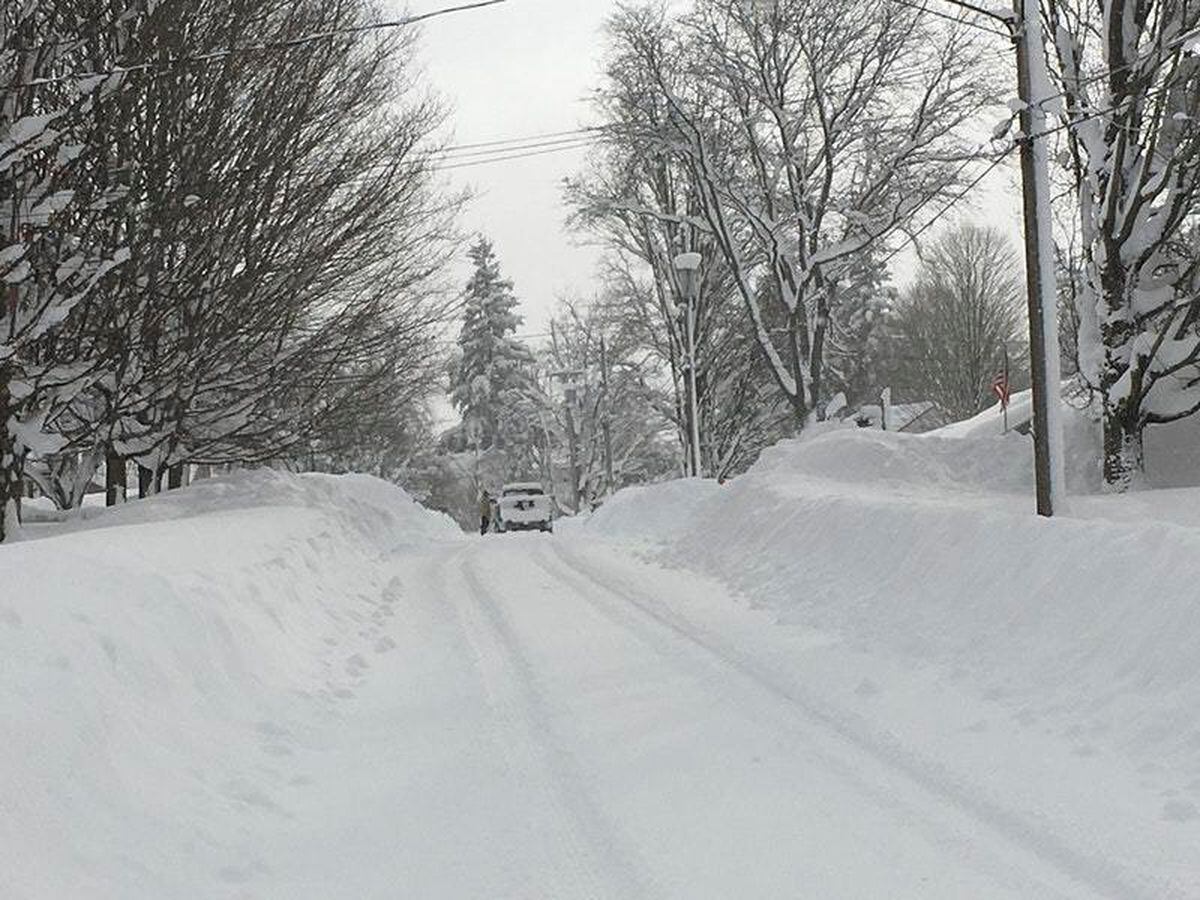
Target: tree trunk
(1120, 376)
(10, 504)
(12, 465)
(116, 481)
(149, 482)
(1124, 454)
(85, 473)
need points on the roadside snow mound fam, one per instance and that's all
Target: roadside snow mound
(136, 661)
(977, 460)
(881, 459)
(378, 509)
(927, 549)
(655, 514)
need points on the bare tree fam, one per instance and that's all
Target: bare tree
(281, 248)
(638, 199)
(955, 324)
(609, 414)
(51, 263)
(812, 134)
(1129, 78)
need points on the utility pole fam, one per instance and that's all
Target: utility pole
(570, 394)
(606, 418)
(1034, 91)
(1007, 387)
(693, 391)
(547, 453)
(687, 265)
(573, 449)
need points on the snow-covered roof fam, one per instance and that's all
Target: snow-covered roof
(900, 415)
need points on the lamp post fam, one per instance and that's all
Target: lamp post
(687, 266)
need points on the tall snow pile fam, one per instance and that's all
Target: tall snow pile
(145, 649)
(926, 549)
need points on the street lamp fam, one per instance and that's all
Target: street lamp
(687, 266)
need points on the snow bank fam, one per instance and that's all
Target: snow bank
(926, 548)
(376, 508)
(654, 514)
(136, 660)
(1081, 437)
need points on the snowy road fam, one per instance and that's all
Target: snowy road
(544, 718)
(319, 690)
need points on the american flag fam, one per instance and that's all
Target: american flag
(1001, 388)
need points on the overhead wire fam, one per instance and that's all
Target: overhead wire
(265, 47)
(923, 8)
(954, 201)
(455, 156)
(582, 145)
(531, 137)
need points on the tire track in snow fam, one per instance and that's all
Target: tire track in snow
(589, 849)
(639, 612)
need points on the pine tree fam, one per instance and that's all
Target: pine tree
(493, 372)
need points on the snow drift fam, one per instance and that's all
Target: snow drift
(925, 548)
(135, 653)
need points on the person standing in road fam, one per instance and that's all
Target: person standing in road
(485, 512)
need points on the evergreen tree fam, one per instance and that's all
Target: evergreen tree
(492, 374)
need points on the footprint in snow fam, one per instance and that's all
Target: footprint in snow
(1180, 811)
(109, 648)
(867, 688)
(270, 729)
(242, 874)
(384, 644)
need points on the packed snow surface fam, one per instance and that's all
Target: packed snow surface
(863, 670)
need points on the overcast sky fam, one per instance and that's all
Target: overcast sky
(525, 68)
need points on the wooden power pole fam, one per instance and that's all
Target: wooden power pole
(1034, 91)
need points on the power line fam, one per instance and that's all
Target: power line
(920, 7)
(1094, 114)
(954, 201)
(438, 163)
(266, 47)
(435, 162)
(453, 154)
(481, 162)
(979, 10)
(521, 140)
(1179, 42)
(450, 155)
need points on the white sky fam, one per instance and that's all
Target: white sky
(525, 68)
(521, 68)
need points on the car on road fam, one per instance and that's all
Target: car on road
(523, 506)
